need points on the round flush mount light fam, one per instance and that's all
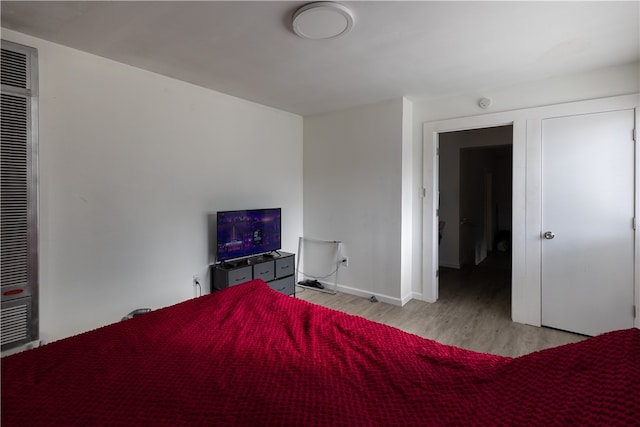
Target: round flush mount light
(322, 20)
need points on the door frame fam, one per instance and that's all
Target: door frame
(526, 301)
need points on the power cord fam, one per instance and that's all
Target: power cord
(318, 277)
(196, 282)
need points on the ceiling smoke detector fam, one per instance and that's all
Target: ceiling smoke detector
(484, 103)
(322, 20)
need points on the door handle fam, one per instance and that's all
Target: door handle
(549, 235)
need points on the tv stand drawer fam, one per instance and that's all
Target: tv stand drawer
(284, 266)
(264, 271)
(240, 275)
(285, 286)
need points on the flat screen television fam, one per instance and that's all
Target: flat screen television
(248, 232)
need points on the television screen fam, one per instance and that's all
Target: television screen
(248, 232)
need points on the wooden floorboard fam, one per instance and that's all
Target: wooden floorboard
(473, 312)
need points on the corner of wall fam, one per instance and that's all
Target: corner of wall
(408, 237)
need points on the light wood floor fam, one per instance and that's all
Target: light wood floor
(473, 312)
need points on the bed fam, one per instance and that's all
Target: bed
(249, 356)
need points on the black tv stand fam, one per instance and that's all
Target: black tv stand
(276, 269)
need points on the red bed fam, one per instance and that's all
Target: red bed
(249, 356)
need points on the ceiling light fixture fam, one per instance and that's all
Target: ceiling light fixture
(322, 20)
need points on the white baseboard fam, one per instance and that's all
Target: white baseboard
(367, 294)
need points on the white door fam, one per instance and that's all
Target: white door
(587, 220)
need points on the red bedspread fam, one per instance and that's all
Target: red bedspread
(250, 356)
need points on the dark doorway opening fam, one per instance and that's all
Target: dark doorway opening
(475, 217)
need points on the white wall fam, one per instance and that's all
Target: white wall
(527, 226)
(353, 180)
(131, 165)
(347, 153)
(613, 81)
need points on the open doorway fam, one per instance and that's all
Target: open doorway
(475, 217)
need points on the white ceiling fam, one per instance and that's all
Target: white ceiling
(398, 48)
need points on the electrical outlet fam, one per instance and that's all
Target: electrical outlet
(196, 281)
(344, 261)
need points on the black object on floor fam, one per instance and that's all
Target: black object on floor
(311, 284)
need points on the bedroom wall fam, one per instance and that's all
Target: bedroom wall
(131, 166)
(353, 178)
(611, 81)
(126, 188)
(358, 143)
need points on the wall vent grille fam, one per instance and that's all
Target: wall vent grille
(18, 195)
(14, 197)
(14, 69)
(14, 326)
